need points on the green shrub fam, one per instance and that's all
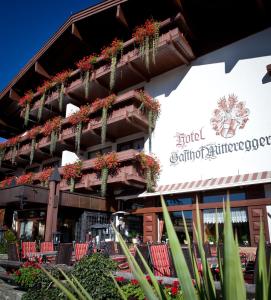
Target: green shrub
(93, 272)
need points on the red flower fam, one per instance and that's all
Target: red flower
(109, 161)
(176, 283)
(105, 102)
(51, 125)
(160, 281)
(13, 141)
(148, 277)
(72, 170)
(31, 134)
(80, 116)
(44, 175)
(25, 179)
(149, 102)
(174, 291)
(61, 77)
(87, 63)
(44, 87)
(119, 279)
(112, 50)
(6, 182)
(134, 282)
(26, 99)
(149, 162)
(149, 29)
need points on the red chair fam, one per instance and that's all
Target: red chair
(160, 260)
(46, 246)
(80, 250)
(27, 248)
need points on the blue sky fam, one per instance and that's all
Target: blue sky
(25, 25)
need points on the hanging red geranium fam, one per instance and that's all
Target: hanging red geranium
(3, 147)
(6, 182)
(152, 109)
(104, 104)
(60, 80)
(105, 165)
(14, 144)
(77, 120)
(86, 65)
(52, 128)
(71, 172)
(44, 175)
(151, 169)
(32, 135)
(43, 90)
(25, 179)
(25, 102)
(111, 53)
(147, 36)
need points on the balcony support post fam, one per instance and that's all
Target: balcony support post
(52, 208)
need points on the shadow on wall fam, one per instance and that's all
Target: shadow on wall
(257, 45)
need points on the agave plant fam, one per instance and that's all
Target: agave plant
(203, 288)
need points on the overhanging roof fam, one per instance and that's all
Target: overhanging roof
(211, 184)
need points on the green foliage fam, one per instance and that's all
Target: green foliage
(26, 275)
(9, 237)
(43, 288)
(93, 272)
(133, 291)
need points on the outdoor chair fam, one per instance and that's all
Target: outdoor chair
(13, 252)
(144, 250)
(46, 246)
(80, 250)
(28, 247)
(160, 259)
(64, 255)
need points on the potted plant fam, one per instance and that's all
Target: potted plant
(86, 66)
(25, 102)
(151, 169)
(52, 128)
(25, 179)
(43, 176)
(71, 172)
(111, 53)
(106, 165)
(14, 144)
(43, 90)
(60, 80)
(32, 135)
(152, 109)
(147, 36)
(103, 104)
(77, 120)
(3, 147)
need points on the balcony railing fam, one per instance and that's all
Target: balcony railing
(173, 50)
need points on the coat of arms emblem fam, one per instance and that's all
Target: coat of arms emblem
(229, 116)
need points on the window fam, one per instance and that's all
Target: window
(214, 198)
(237, 196)
(179, 201)
(137, 144)
(93, 154)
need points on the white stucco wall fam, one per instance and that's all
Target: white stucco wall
(189, 95)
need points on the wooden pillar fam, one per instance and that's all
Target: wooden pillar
(52, 208)
(150, 233)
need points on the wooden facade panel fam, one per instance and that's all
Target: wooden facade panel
(257, 212)
(150, 227)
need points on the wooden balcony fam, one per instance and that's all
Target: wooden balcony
(173, 50)
(124, 119)
(128, 174)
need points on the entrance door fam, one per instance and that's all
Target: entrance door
(256, 214)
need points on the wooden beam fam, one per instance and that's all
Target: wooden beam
(175, 48)
(102, 84)
(41, 71)
(13, 95)
(181, 21)
(268, 69)
(138, 72)
(120, 16)
(76, 32)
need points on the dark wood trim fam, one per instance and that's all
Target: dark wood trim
(241, 203)
(120, 16)
(40, 70)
